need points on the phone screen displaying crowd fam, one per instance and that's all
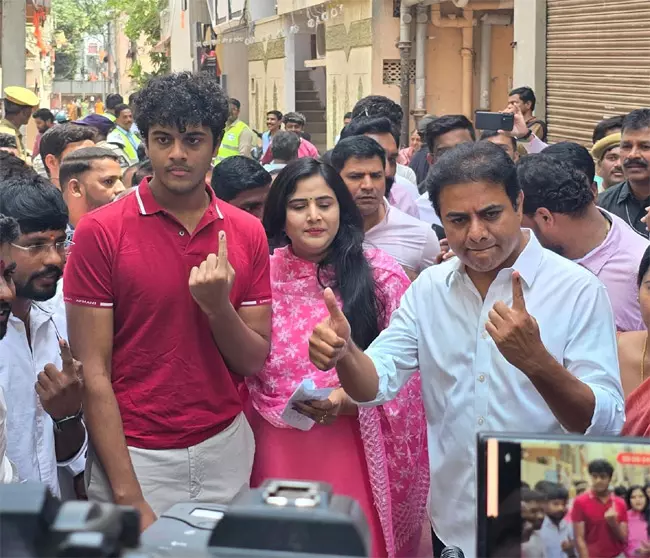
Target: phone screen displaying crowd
(555, 496)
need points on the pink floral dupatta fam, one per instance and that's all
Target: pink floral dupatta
(394, 435)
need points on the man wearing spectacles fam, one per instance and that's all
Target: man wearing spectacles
(46, 437)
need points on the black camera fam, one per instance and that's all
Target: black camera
(281, 518)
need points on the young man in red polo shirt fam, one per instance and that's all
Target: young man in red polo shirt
(168, 293)
(600, 517)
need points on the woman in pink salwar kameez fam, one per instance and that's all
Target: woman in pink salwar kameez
(377, 456)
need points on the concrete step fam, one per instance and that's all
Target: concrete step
(313, 115)
(306, 96)
(308, 105)
(316, 127)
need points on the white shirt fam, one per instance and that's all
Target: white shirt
(410, 241)
(427, 213)
(533, 547)
(30, 430)
(407, 185)
(554, 535)
(408, 173)
(468, 386)
(6, 469)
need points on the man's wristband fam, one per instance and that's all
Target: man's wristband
(60, 424)
(526, 137)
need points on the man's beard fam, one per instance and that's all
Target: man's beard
(28, 291)
(4, 308)
(390, 180)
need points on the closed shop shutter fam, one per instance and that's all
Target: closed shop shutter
(597, 63)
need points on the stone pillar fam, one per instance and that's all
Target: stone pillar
(13, 42)
(530, 49)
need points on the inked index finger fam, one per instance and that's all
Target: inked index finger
(66, 357)
(518, 301)
(223, 248)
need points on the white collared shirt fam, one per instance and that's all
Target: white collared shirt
(408, 174)
(6, 469)
(410, 241)
(554, 535)
(467, 385)
(30, 430)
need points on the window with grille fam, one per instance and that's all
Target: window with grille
(392, 74)
(397, 5)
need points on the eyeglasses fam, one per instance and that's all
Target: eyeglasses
(62, 248)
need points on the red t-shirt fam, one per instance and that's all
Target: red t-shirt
(171, 383)
(588, 509)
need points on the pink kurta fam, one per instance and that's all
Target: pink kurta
(380, 457)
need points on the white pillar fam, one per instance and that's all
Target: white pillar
(289, 67)
(13, 43)
(180, 42)
(485, 71)
(530, 50)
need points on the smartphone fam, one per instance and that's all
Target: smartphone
(513, 468)
(494, 121)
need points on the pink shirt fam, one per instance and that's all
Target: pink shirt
(616, 263)
(306, 149)
(637, 532)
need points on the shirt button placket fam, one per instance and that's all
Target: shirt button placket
(482, 361)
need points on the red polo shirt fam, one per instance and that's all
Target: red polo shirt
(601, 542)
(171, 383)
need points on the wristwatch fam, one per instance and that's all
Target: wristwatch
(526, 137)
(61, 424)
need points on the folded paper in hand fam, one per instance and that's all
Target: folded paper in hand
(306, 391)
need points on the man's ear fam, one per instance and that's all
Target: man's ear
(430, 158)
(50, 163)
(74, 188)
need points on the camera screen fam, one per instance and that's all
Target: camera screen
(552, 497)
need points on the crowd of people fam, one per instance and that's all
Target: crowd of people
(159, 309)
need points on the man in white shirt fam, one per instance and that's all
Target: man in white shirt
(556, 531)
(9, 232)
(41, 381)
(361, 161)
(507, 336)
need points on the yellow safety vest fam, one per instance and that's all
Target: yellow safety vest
(131, 152)
(7, 127)
(230, 142)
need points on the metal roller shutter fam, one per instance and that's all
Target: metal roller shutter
(597, 63)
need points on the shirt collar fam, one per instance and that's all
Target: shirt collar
(147, 204)
(624, 193)
(526, 264)
(599, 256)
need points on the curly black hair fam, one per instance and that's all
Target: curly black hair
(9, 229)
(374, 106)
(553, 184)
(181, 100)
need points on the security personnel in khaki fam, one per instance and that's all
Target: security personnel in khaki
(237, 138)
(19, 103)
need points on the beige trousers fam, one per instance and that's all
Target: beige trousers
(215, 470)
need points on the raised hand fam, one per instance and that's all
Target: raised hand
(514, 330)
(211, 282)
(329, 340)
(519, 129)
(60, 390)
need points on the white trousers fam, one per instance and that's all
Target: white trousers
(215, 470)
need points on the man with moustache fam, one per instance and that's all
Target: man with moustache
(9, 232)
(361, 162)
(630, 199)
(507, 336)
(46, 435)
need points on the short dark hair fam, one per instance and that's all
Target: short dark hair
(556, 491)
(44, 114)
(120, 108)
(473, 162)
(575, 155)
(526, 94)
(14, 108)
(8, 141)
(487, 134)
(553, 184)
(12, 167)
(34, 203)
(371, 125)
(235, 102)
(57, 138)
(374, 106)
(295, 117)
(528, 495)
(142, 170)
(113, 99)
(238, 174)
(444, 124)
(600, 467)
(606, 126)
(638, 119)
(9, 229)
(275, 113)
(360, 147)
(643, 267)
(180, 100)
(347, 115)
(81, 161)
(285, 146)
